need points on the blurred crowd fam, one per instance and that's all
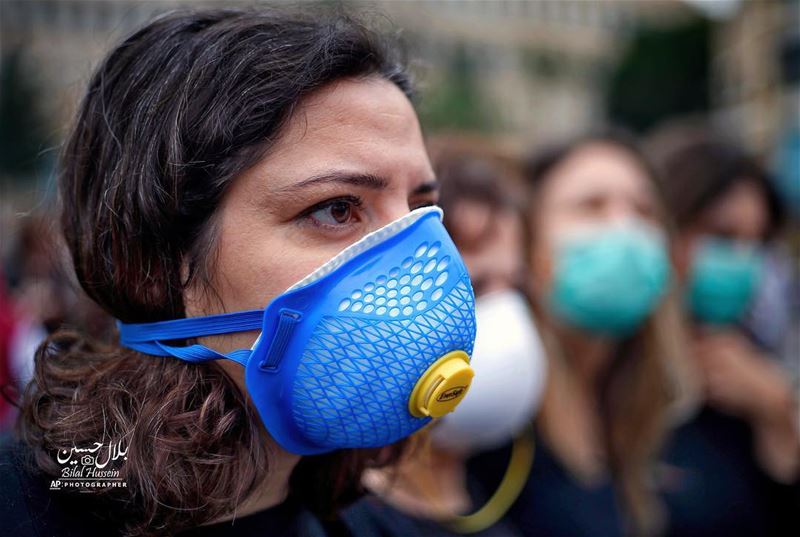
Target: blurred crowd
(639, 299)
(38, 295)
(638, 347)
(653, 284)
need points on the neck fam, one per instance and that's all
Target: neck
(589, 357)
(569, 416)
(272, 491)
(275, 487)
(429, 484)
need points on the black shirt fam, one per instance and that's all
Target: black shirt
(553, 503)
(712, 484)
(28, 508)
(373, 517)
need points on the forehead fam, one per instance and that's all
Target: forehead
(743, 209)
(365, 124)
(597, 169)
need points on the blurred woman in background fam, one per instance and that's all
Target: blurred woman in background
(429, 493)
(731, 470)
(599, 280)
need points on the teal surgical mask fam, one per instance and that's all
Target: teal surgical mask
(723, 278)
(787, 170)
(609, 281)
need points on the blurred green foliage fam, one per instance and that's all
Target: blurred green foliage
(456, 102)
(543, 64)
(22, 125)
(665, 72)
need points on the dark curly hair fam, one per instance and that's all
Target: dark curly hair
(170, 118)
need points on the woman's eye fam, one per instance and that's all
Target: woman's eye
(592, 204)
(334, 213)
(645, 207)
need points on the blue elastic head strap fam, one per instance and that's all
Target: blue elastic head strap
(148, 337)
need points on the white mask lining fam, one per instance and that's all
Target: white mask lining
(365, 243)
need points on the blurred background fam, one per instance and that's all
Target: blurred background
(518, 71)
(502, 75)
(501, 79)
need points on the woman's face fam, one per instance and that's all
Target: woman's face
(492, 245)
(741, 214)
(596, 185)
(350, 160)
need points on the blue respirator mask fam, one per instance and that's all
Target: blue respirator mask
(723, 279)
(362, 352)
(609, 281)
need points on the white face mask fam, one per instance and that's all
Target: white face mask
(510, 370)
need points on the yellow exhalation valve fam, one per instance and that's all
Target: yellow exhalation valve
(442, 386)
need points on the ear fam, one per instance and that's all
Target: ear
(198, 299)
(192, 301)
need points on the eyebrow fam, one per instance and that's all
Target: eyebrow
(431, 185)
(366, 180)
(357, 179)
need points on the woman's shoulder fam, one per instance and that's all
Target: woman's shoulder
(553, 501)
(288, 519)
(33, 504)
(373, 517)
(14, 515)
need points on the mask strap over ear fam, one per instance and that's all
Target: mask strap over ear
(148, 337)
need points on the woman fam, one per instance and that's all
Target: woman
(599, 283)
(218, 158)
(429, 493)
(744, 442)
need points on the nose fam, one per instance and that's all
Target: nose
(620, 211)
(394, 210)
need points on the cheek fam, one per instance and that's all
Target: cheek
(472, 261)
(252, 268)
(257, 261)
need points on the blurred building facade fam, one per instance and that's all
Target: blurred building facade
(522, 70)
(753, 95)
